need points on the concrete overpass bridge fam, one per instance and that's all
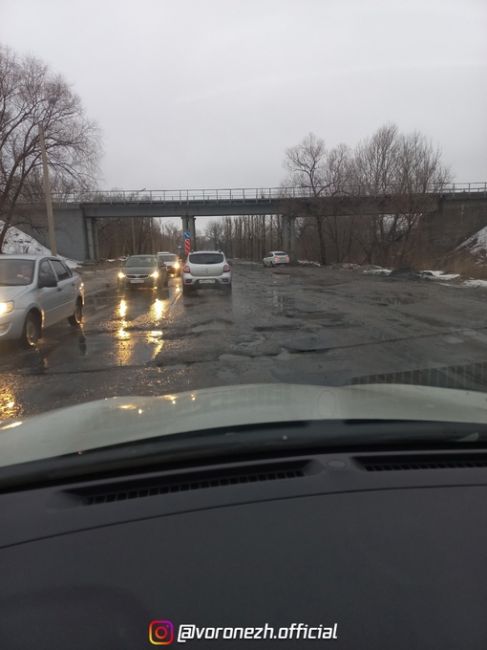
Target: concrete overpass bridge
(76, 215)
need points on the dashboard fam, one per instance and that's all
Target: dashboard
(383, 550)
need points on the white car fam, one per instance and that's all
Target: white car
(274, 258)
(36, 292)
(206, 269)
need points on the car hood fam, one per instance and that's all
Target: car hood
(12, 293)
(123, 419)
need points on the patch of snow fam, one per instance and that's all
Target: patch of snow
(476, 283)
(477, 243)
(378, 271)
(19, 243)
(73, 264)
(308, 263)
(441, 275)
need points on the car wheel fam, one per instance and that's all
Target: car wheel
(228, 287)
(32, 330)
(76, 318)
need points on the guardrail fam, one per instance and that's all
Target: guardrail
(244, 194)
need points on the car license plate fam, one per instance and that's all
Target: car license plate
(137, 281)
(207, 281)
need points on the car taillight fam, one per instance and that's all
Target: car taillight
(186, 268)
(226, 268)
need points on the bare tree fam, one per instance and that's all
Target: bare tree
(403, 167)
(322, 173)
(215, 233)
(30, 95)
(305, 163)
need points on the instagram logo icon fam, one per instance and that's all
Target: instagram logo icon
(161, 632)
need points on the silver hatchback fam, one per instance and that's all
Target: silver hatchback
(206, 269)
(36, 292)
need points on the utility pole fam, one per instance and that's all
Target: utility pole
(47, 193)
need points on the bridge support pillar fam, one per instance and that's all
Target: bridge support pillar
(289, 236)
(189, 225)
(192, 228)
(90, 239)
(96, 243)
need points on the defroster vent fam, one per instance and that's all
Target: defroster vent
(401, 462)
(143, 488)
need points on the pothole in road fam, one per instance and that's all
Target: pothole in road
(306, 344)
(325, 317)
(276, 328)
(231, 358)
(398, 299)
(256, 349)
(211, 326)
(306, 350)
(185, 357)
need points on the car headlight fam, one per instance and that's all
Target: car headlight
(155, 274)
(177, 265)
(6, 307)
(121, 275)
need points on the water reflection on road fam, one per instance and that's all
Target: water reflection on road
(9, 405)
(120, 330)
(139, 332)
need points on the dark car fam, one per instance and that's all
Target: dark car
(142, 271)
(171, 262)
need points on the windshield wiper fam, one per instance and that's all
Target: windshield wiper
(248, 440)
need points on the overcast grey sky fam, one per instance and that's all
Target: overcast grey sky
(209, 93)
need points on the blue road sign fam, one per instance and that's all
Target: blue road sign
(187, 234)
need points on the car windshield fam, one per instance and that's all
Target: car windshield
(206, 258)
(141, 260)
(285, 196)
(16, 272)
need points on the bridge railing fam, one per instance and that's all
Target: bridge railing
(239, 194)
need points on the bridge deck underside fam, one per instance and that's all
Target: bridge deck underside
(325, 206)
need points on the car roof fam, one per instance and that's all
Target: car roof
(21, 256)
(195, 252)
(165, 253)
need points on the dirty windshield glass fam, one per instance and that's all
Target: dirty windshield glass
(16, 272)
(141, 260)
(312, 173)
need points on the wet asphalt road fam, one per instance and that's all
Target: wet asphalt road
(303, 325)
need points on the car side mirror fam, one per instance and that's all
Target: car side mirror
(47, 283)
